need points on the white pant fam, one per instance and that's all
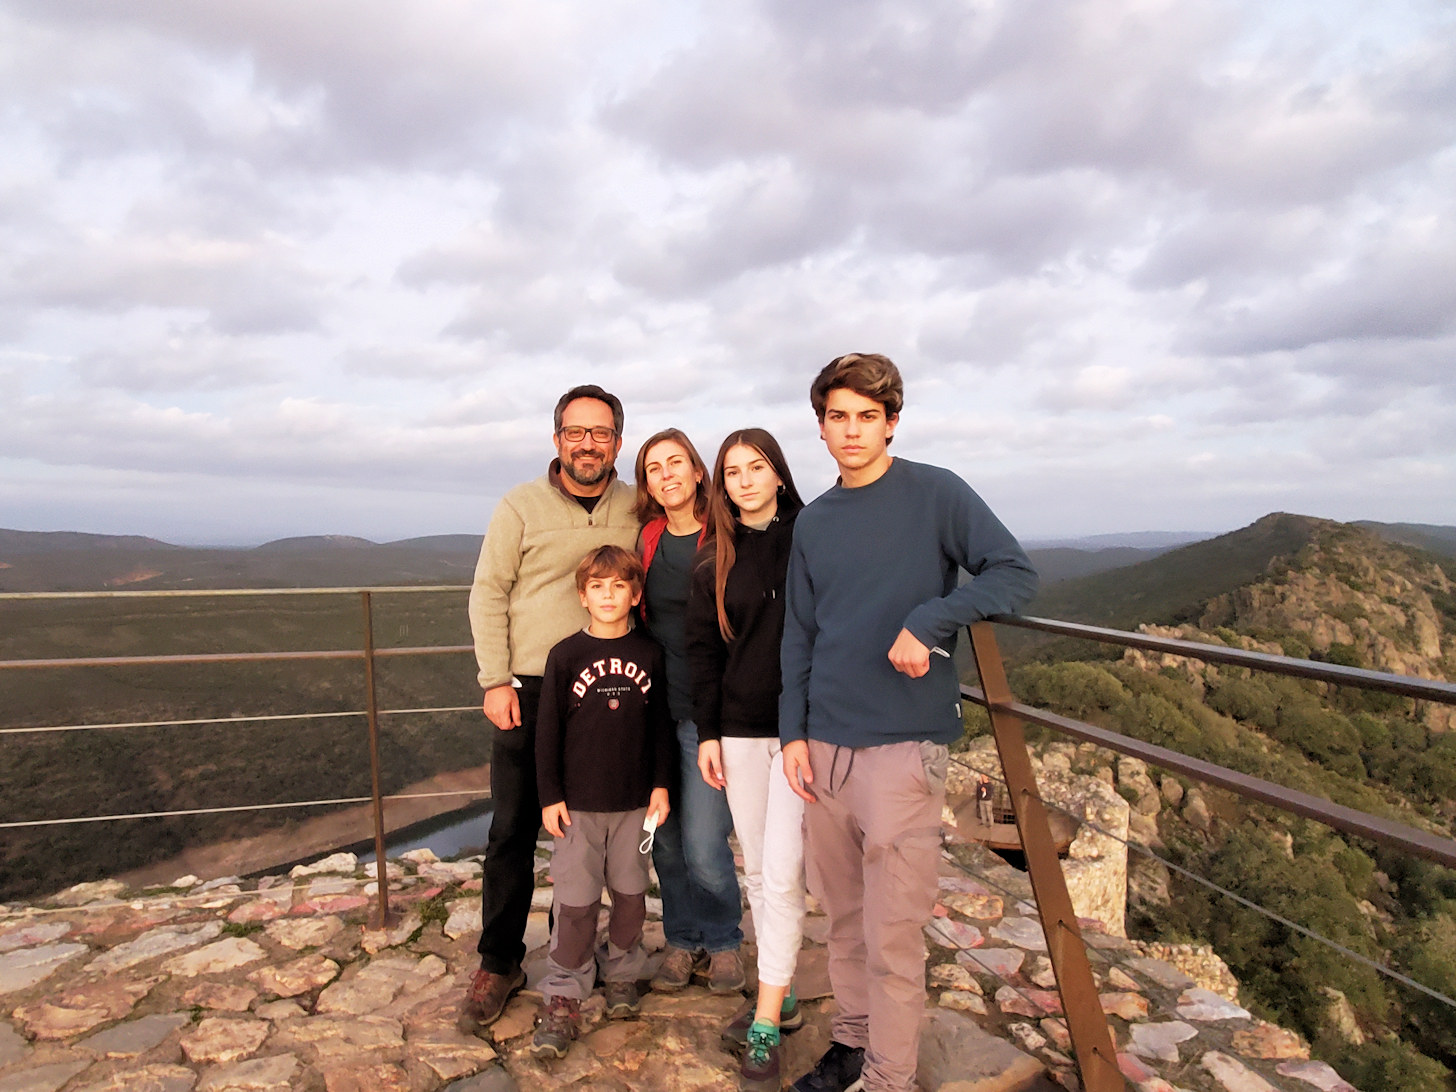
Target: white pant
(769, 820)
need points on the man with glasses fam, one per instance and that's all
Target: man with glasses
(523, 602)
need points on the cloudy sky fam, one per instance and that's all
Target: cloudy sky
(271, 268)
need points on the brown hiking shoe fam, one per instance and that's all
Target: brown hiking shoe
(725, 972)
(486, 999)
(677, 969)
(560, 1020)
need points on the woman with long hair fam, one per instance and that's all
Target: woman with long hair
(702, 908)
(735, 626)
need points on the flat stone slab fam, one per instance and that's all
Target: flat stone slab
(149, 1078)
(300, 933)
(297, 977)
(161, 941)
(334, 862)
(220, 996)
(345, 1039)
(1233, 1074)
(1022, 932)
(13, 1046)
(1164, 974)
(982, 907)
(949, 933)
(32, 935)
(24, 967)
(227, 954)
(1002, 962)
(134, 1037)
(1316, 1073)
(274, 1074)
(78, 1010)
(957, 1056)
(224, 1039)
(1160, 1041)
(84, 893)
(463, 921)
(43, 1078)
(1208, 1007)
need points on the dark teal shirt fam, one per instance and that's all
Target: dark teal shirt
(868, 562)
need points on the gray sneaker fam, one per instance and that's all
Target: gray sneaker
(560, 1023)
(623, 1000)
(677, 969)
(725, 972)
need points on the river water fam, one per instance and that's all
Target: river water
(454, 834)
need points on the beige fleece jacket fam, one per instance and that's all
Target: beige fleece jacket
(524, 598)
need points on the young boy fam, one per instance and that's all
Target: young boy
(604, 752)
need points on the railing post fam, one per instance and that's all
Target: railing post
(1091, 1039)
(376, 781)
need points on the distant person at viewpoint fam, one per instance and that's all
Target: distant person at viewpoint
(870, 700)
(523, 602)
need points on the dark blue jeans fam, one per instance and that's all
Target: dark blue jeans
(701, 904)
(510, 850)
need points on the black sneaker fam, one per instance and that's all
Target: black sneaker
(837, 1071)
(735, 1036)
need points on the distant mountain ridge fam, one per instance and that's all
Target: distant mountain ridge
(32, 561)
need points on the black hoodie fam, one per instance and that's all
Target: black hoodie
(736, 684)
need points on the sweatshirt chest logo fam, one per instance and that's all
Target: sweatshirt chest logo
(603, 671)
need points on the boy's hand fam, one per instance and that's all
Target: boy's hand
(554, 817)
(797, 770)
(909, 656)
(502, 707)
(710, 763)
(657, 805)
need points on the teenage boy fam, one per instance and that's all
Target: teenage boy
(870, 699)
(605, 747)
(523, 601)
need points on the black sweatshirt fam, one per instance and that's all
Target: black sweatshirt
(736, 685)
(604, 738)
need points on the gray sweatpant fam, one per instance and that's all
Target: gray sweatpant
(599, 848)
(872, 851)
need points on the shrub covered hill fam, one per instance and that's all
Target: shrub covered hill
(1314, 589)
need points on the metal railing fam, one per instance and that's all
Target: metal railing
(368, 654)
(1091, 1039)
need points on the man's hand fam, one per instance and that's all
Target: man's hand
(657, 805)
(909, 656)
(797, 770)
(502, 707)
(710, 763)
(554, 817)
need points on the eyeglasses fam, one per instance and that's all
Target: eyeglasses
(575, 434)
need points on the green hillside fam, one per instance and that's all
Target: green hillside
(1321, 590)
(1174, 586)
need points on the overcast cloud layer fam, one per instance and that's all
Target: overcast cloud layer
(272, 268)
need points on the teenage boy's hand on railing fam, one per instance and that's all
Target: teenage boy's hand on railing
(502, 707)
(555, 817)
(710, 763)
(909, 656)
(798, 771)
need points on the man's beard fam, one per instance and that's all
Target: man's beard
(581, 477)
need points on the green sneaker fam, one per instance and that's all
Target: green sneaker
(735, 1036)
(760, 1071)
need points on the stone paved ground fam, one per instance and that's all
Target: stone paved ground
(278, 984)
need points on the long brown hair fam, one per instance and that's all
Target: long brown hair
(646, 509)
(724, 524)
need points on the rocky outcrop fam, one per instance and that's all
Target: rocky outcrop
(1095, 867)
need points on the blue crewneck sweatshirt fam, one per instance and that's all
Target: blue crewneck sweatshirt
(868, 562)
